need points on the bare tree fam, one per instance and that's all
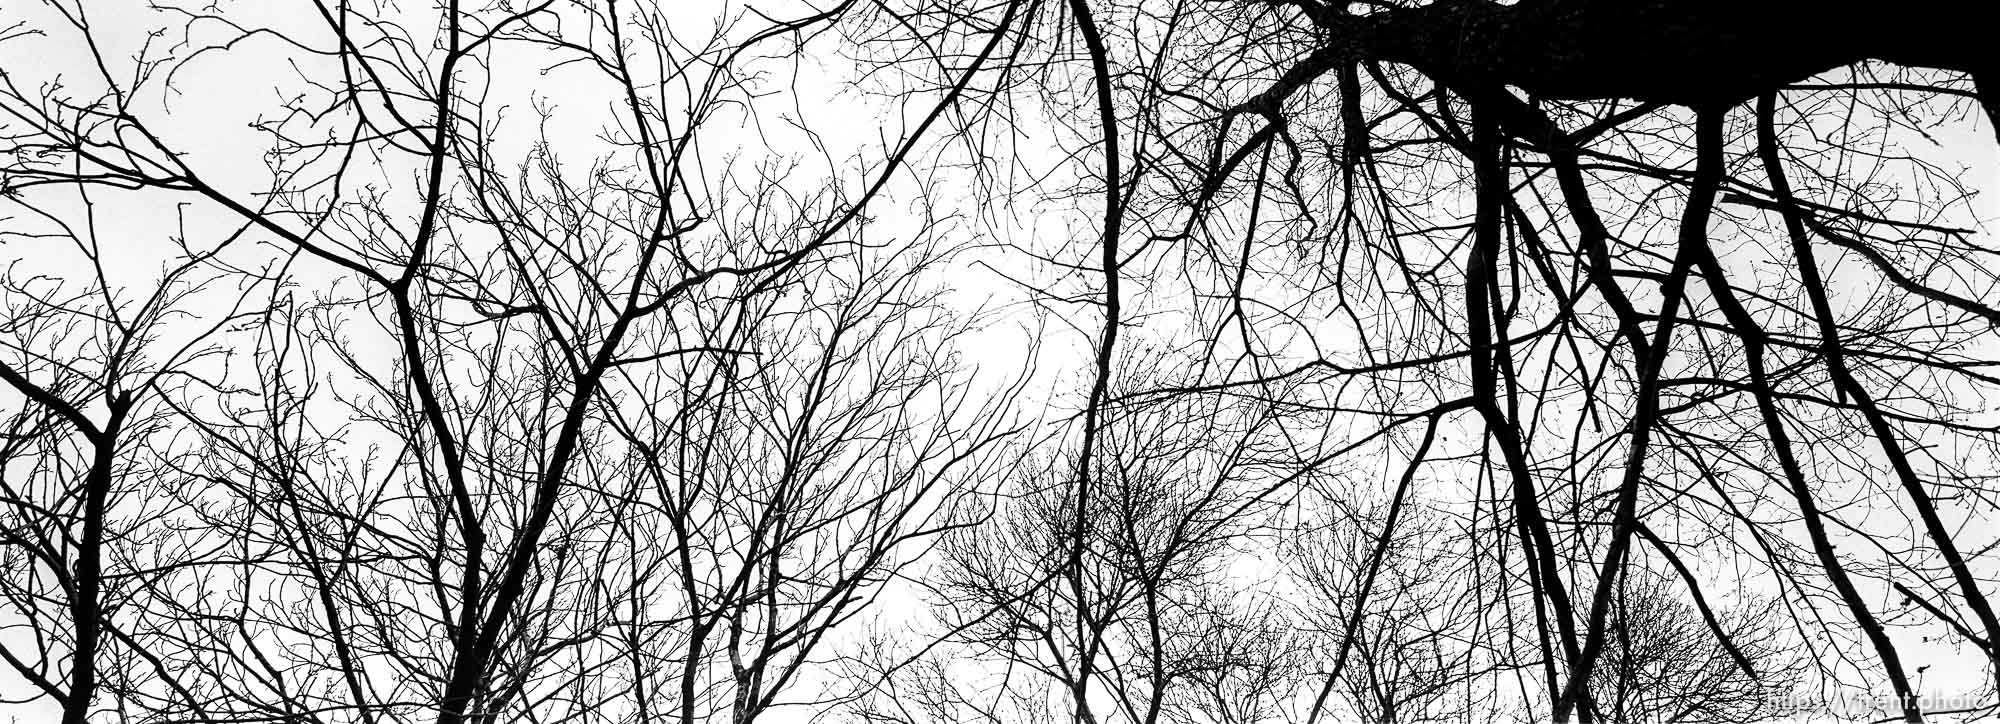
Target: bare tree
(541, 425)
(616, 360)
(98, 350)
(1670, 662)
(1164, 633)
(1588, 243)
(1398, 610)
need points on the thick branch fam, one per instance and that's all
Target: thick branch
(1689, 52)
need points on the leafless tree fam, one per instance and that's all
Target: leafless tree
(1399, 613)
(1156, 630)
(581, 360)
(1667, 662)
(1591, 245)
(531, 424)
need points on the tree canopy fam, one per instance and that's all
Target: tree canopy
(999, 360)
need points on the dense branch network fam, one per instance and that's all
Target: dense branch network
(583, 360)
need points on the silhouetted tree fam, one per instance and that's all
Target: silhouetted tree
(614, 360)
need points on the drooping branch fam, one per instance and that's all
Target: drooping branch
(1693, 233)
